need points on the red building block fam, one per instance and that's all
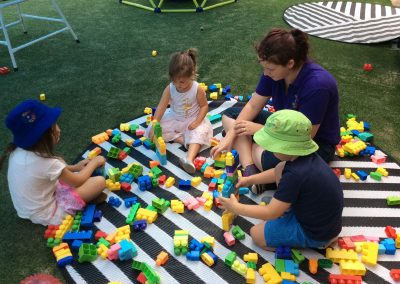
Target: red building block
(125, 186)
(100, 234)
(368, 67)
(141, 278)
(347, 279)
(395, 274)
(390, 232)
(162, 179)
(50, 231)
(346, 243)
(4, 70)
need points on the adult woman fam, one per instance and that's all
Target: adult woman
(293, 82)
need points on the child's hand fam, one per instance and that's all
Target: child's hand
(81, 164)
(193, 125)
(151, 134)
(100, 161)
(229, 204)
(244, 182)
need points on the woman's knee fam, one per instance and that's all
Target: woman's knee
(227, 122)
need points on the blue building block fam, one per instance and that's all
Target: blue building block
(228, 88)
(127, 251)
(283, 253)
(193, 255)
(213, 88)
(130, 201)
(362, 175)
(291, 267)
(213, 256)
(137, 143)
(381, 249)
(195, 245)
(228, 189)
(115, 132)
(228, 97)
(139, 225)
(87, 216)
(76, 244)
(98, 214)
(161, 158)
(185, 184)
(243, 190)
(285, 281)
(114, 201)
(84, 236)
(144, 183)
(128, 178)
(249, 97)
(65, 261)
(215, 194)
(389, 246)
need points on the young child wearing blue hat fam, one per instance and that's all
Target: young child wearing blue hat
(306, 210)
(43, 187)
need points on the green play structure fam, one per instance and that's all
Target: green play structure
(157, 8)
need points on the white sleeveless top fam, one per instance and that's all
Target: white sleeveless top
(184, 105)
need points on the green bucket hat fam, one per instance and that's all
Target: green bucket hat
(287, 132)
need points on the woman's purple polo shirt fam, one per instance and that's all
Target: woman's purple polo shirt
(314, 93)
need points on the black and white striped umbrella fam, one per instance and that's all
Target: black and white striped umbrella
(351, 22)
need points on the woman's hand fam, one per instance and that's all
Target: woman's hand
(224, 145)
(193, 125)
(229, 204)
(246, 128)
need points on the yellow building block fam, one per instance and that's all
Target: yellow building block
(336, 255)
(382, 171)
(196, 181)
(240, 268)
(100, 138)
(124, 126)
(214, 95)
(209, 240)
(207, 259)
(229, 160)
(370, 253)
(252, 256)
(147, 110)
(94, 153)
(111, 238)
(288, 276)
(227, 220)
(177, 206)
(208, 205)
(123, 233)
(102, 251)
(250, 276)
(355, 176)
(270, 275)
(347, 173)
(145, 214)
(65, 226)
(170, 182)
(352, 267)
(207, 195)
(129, 142)
(113, 186)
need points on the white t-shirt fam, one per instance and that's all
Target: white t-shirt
(32, 183)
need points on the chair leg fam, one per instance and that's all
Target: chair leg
(8, 42)
(57, 8)
(21, 19)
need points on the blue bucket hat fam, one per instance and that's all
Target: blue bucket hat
(29, 120)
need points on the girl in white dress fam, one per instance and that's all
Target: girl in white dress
(185, 122)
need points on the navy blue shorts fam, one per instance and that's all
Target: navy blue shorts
(268, 160)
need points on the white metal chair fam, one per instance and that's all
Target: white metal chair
(4, 27)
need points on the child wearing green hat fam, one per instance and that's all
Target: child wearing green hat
(306, 210)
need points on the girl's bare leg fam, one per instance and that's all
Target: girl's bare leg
(91, 188)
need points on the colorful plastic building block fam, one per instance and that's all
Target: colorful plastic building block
(348, 279)
(395, 274)
(162, 258)
(114, 201)
(238, 233)
(313, 265)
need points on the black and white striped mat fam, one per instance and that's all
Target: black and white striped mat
(365, 213)
(352, 22)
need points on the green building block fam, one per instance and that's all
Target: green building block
(132, 214)
(230, 258)
(156, 172)
(297, 256)
(113, 152)
(325, 263)
(252, 265)
(87, 252)
(134, 127)
(238, 233)
(393, 200)
(157, 130)
(376, 176)
(279, 265)
(114, 174)
(103, 241)
(116, 138)
(161, 204)
(136, 170)
(151, 276)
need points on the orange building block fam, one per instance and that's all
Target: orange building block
(162, 258)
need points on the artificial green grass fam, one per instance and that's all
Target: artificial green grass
(110, 77)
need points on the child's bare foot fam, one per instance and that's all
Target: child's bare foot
(187, 165)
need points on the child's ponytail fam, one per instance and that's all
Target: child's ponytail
(11, 147)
